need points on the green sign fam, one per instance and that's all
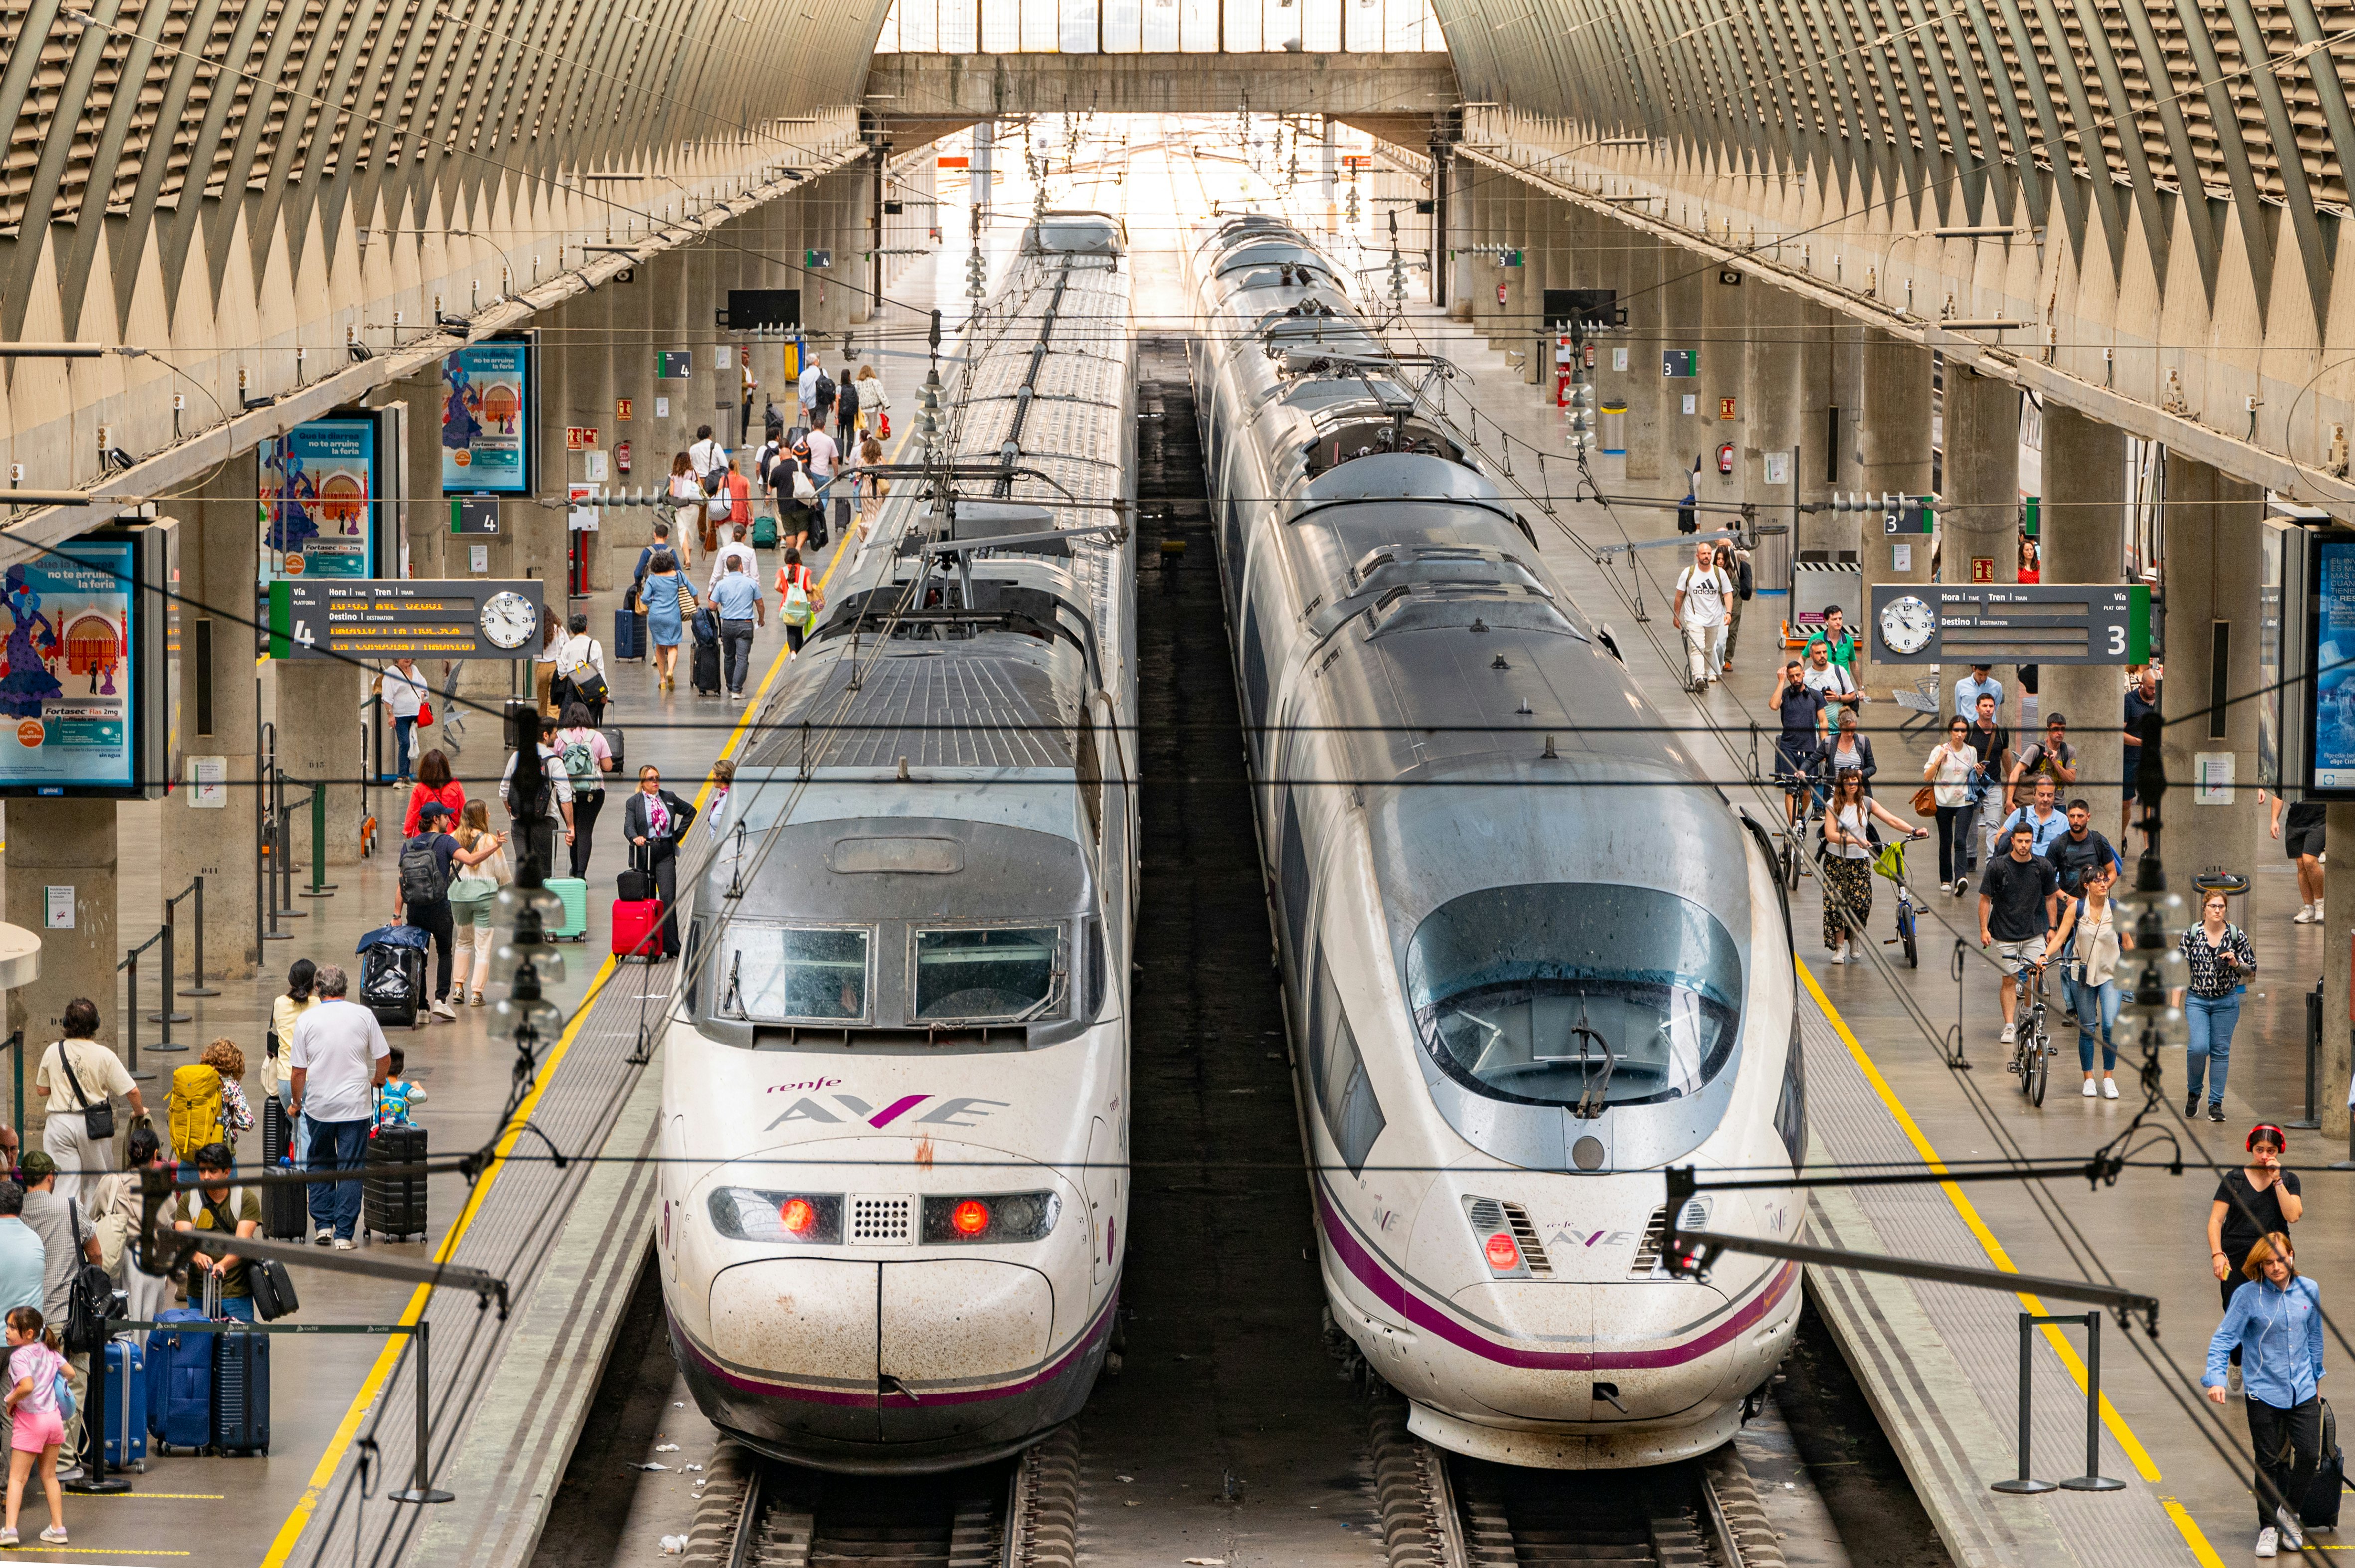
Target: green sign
(1680, 364)
(1914, 515)
(2035, 508)
(2138, 623)
(1512, 258)
(815, 259)
(671, 366)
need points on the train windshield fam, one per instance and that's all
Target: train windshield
(772, 973)
(1570, 993)
(997, 974)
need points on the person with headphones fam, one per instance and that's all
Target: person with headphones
(2258, 1200)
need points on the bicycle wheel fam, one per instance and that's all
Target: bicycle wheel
(1912, 957)
(2038, 1069)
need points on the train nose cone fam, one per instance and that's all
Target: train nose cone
(1568, 1351)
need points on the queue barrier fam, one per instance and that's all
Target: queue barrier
(2092, 1480)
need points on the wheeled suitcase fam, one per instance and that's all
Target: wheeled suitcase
(637, 929)
(282, 1203)
(242, 1393)
(575, 895)
(629, 634)
(764, 531)
(612, 734)
(126, 1405)
(394, 1206)
(392, 973)
(179, 1382)
(707, 668)
(2320, 1509)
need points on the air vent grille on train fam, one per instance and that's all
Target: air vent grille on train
(881, 1222)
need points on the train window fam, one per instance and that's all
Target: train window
(1345, 1095)
(1295, 877)
(1255, 676)
(772, 973)
(1089, 765)
(997, 973)
(1552, 993)
(1791, 1105)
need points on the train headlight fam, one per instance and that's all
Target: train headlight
(749, 1214)
(991, 1217)
(1503, 1254)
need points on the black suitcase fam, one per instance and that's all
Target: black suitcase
(636, 885)
(629, 634)
(242, 1393)
(2320, 1510)
(273, 1288)
(394, 1206)
(392, 984)
(282, 1203)
(707, 668)
(613, 740)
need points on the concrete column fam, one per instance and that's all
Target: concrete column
(68, 844)
(218, 712)
(632, 331)
(1724, 369)
(1683, 326)
(2338, 901)
(2084, 524)
(1981, 510)
(1774, 397)
(1893, 453)
(2213, 569)
(1631, 262)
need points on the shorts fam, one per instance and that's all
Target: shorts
(36, 1430)
(1794, 755)
(2302, 832)
(2014, 953)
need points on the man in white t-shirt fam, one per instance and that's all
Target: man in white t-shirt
(1703, 593)
(706, 455)
(1822, 675)
(732, 549)
(807, 388)
(339, 1056)
(824, 457)
(100, 1073)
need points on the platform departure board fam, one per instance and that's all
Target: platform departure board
(2010, 622)
(460, 618)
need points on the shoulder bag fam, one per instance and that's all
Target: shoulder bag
(97, 1119)
(1925, 801)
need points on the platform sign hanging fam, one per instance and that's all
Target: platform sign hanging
(2011, 623)
(318, 484)
(486, 418)
(465, 618)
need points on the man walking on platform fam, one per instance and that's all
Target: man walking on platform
(339, 1057)
(740, 610)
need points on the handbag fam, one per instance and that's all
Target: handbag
(425, 716)
(96, 1120)
(592, 690)
(1925, 801)
(883, 421)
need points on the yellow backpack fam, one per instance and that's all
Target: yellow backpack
(194, 1110)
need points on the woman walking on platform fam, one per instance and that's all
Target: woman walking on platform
(482, 867)
(2221, 960)
(588, 758)
(435, 783)
(669, 602)
(2092, 923)
(1847, 862)
(1949, 773)
(2274, 1322)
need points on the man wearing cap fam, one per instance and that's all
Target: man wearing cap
(425, 870)
(67, 1234)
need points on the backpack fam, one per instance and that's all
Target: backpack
(795, 590)
(1747, 580)
(422, 881)
(824, 393)
(89, 1302)
(193, 1112)
(580, 764)
(529, 802)
(798, 442)
(715, 478)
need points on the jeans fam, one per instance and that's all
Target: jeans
(2211, 1020)
(337, 1145)
(535, 843)
(2097, 1002)
(2288, 1446)
(736, 651)
(1953, 833)
(434, 920)
(401, 730)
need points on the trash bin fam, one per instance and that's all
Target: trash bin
(1614, 430)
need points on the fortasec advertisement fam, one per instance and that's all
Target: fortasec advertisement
(2332, 717)
(67, 687)
(318, 484)
(486, 419)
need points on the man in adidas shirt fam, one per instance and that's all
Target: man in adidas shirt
(1703, 593)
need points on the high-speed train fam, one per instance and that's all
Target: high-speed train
(1531, 957)
(896, 1098)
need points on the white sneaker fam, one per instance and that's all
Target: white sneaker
(2005, 1037)
(2090, 1090)
(344, 1243)
(2292, 1534)
(2266, 1542)
(2317, 912)
(2109, 1088)
(2305, 915)
(441, 1009)
(322, 1235)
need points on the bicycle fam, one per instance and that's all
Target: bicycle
(2031, 1050)
(1889, 862)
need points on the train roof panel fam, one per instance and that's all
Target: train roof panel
(1001, 700)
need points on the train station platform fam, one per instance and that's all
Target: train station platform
(507, 1398)
(1941, 1363)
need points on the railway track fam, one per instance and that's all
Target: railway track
(1442, 1510)
(1023, 1513)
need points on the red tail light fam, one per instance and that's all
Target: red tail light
(971, 1217)
(1503, 1254)
(799, 1215)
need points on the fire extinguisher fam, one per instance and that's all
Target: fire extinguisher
(1725, 458)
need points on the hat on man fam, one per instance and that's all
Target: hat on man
(432, 811)
(37, 1168)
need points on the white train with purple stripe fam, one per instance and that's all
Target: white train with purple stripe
(895, 1112)
(1531, 955)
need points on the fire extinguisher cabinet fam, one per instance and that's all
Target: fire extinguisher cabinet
(1614, 430)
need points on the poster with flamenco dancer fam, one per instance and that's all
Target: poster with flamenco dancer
(318, 482)
(68, 683)
(486, 418)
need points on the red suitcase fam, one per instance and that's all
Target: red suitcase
(637, 928)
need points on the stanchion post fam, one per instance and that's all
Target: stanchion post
(2024, 1484)
(2092, 1480)
(17, 1054)
(170, 936)
(94, 1480)
(320, 886)
(421, 1479)
(2349, 1163)
(200, 989)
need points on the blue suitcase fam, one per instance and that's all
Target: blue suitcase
(179, 1382)
(126, 1405)
(629, 634)
(575, 895)
(242, 1393)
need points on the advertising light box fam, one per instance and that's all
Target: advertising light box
(488, 404)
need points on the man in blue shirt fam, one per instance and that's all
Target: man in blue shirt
(1974, 686)
(2045, 820)
(24, 1263)
(740, 610)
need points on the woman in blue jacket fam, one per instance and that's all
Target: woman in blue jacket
(2275, 1321)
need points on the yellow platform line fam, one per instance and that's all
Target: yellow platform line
(2137, 1455)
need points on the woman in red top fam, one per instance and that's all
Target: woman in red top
(434, 783)
(740, 500)
(798, 618)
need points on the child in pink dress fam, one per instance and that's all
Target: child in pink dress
(40, 1429)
